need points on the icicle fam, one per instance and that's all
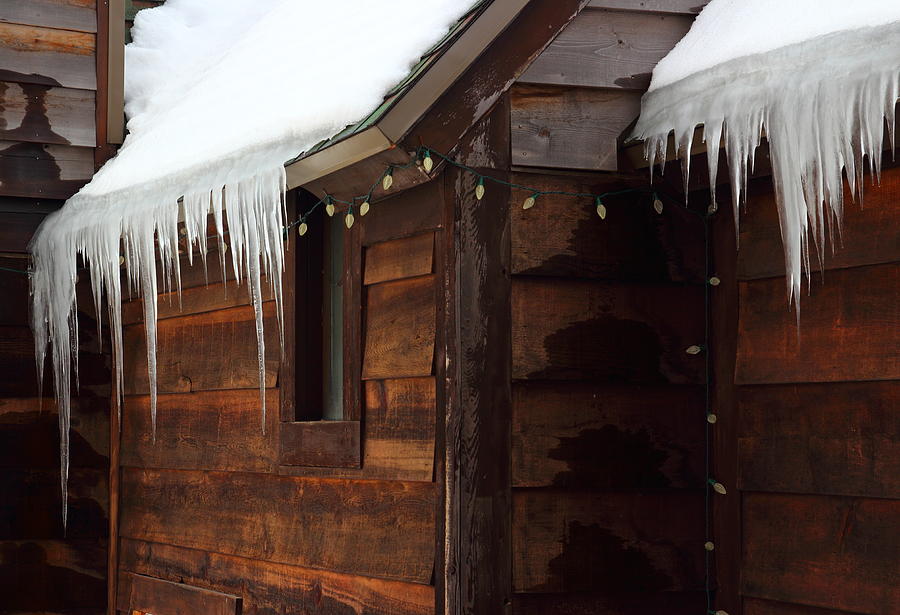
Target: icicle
(821, 120)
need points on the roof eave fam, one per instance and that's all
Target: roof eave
(415, 103)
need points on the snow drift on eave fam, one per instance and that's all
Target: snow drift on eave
(219, 96)
(818, 78)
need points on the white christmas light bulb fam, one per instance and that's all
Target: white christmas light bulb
(301, 230)
(364, 208)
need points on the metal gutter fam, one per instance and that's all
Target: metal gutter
(412, 105)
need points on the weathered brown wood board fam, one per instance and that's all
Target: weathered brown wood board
(849, 329)
(48, 56)
(870, 232)
(607, 436)
(616, 542)
(402, 258)
(399, 329)
(78, 15)
(563, 236)
(266, 587)
(152, 595)
(608, 49)
(44, 171)
(567, 329)
(341, 525)
(569, 128)
(822, 551)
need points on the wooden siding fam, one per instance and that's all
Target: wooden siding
(42, 567)
(209, 505)
(816, 423)
(48, 90)
(607, 423)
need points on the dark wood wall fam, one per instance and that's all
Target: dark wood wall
(210, 505)
(44, 569)
(607, 408)
(816, 422)
(48, 96)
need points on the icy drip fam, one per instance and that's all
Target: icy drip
(822, 106)
(97, 230)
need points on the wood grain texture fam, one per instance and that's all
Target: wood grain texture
(399, 428)
(47, 56)
(838, 553)
(829, 438)
(268, 587)
(204, 430)
(43, 114)
(608, 49)
(44, 171)
(870, 232)
(570, 128)
(399, 328)
(571, 330)
(201, 352)
(324, 444)
(400, 258)
(16, 230)
(607, 436)
(849, 329)
(401, 215)
(678, 7)
(152, 595)
(562, 236)
(610, 542)
(591, 603)
(78, 15)
(372, 528)
(194, 300)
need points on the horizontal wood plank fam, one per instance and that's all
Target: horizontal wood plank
(410, 212)
(608, 49)
(268, 587)
(592, 603)
(822, 551)
(44, 114)
(202, 352)
(593, 435)
(849, 329)
(610, 542)
(399, 328)
(327, 444)
(152, 595)
(400, 258)
(829, 438)
(47, 56)
(870, 232)
(399, 437)
(78, 15)
(679, 7)
(204, 430)
(195, 300)
(572, 128)
(371, 528)
(575, 330)
(563, 236)
(44, 171)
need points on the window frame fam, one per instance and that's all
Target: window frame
(322, 443)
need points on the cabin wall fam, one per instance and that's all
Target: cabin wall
(44, 569)
(607, 408)
(208, 504)
(815, 416)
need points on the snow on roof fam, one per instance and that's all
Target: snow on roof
(818, 78)
(219, 96)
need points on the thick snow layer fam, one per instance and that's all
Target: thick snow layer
(818, 78)
(219, 96)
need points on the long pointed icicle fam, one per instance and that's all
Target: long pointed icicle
(101, 231)
(822, 120)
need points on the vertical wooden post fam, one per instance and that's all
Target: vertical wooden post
(477, 558)
(724, 316)
(112, 567)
